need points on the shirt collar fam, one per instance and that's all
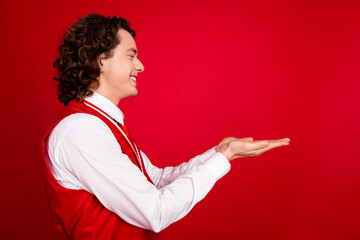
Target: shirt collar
(107, 106)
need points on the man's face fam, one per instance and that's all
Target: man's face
(118, 73)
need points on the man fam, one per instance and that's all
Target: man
(99, 184)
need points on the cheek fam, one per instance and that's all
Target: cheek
(121, 69)
(114, 72)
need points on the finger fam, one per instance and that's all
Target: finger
(285, 139)
(277, 144)
(248, 139)
(280, 140)
(258, 145)
(272, 145)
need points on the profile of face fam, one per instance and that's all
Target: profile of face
(118, 74)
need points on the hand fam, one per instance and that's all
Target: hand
(233, 148)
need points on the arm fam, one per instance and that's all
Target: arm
(164, 176)
(91, 159)
(231, 148)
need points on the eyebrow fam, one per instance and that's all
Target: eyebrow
(133, 50)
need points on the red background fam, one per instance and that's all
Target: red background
(266, 69)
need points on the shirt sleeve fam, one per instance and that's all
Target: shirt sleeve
(216, 162)
(84, 153)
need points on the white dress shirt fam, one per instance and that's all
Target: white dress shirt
(82, 153)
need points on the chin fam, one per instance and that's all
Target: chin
(133, 94)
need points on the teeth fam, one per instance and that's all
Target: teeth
(133, 78)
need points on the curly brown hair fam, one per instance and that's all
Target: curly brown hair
(77, 66)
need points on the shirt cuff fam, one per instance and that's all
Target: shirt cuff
(206, 155)
(217, 163)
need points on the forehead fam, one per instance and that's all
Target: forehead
(126, 40)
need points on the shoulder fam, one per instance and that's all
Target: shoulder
(78, 121)
(78, 126)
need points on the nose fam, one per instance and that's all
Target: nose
(139, 66)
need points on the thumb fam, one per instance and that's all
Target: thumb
(248, 139)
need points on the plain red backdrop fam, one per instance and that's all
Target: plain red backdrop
(266, 69)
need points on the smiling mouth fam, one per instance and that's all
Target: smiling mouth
(133, 78)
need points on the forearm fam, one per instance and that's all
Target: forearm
(164, 176)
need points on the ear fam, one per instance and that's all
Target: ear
(100, 60)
